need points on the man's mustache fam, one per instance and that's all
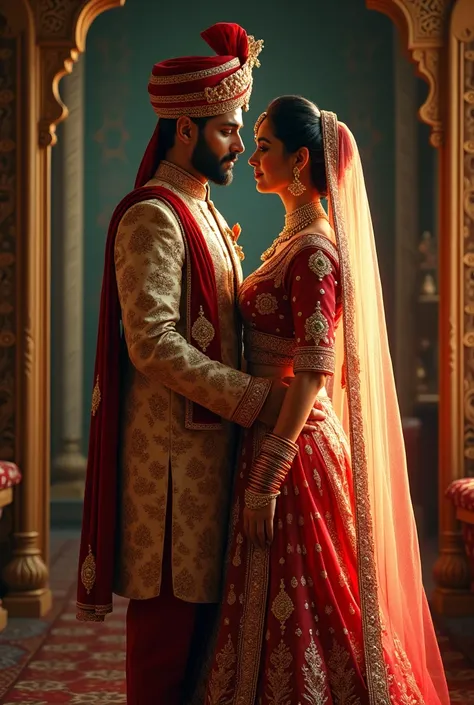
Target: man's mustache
(229, 158)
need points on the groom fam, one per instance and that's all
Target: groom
(169, 393)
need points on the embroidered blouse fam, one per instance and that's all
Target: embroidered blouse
(291, 306)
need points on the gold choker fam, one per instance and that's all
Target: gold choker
(295, 222)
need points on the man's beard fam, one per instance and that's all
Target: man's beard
(208, 165)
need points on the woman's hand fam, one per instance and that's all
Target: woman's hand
(258, 524)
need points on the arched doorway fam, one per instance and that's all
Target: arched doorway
(48, 38)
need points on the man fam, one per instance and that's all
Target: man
(166, 414)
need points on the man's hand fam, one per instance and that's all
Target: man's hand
(273, 403)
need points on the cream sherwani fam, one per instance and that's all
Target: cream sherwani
(163, 371)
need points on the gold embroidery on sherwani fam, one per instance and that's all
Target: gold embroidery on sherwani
(219, 689)
(96, 397)
(341, 676)
(315, 683)
(279, 676)
(203, 331)
(174, 175)
(88, 571)
(155, 438)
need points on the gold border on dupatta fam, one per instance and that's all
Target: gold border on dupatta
(377, 683)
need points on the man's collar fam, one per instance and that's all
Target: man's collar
(182, 180)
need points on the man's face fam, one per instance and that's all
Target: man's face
(218, 146)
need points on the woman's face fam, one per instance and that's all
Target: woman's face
(273, 167)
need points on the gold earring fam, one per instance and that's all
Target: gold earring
(296, 188)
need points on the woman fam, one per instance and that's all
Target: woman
(323, 600)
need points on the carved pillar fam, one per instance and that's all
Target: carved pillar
(70, 464)
(47, 38)
(437, 34)
(26, 574)
(451, 571)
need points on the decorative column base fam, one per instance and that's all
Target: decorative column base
(453, 603)
(452, 596)
(69, 471)
(26, 578)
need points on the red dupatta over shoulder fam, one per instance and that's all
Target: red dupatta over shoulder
(99, 524)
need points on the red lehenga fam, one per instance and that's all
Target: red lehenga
(334, 611)
(290, 629)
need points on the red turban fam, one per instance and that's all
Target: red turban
(202, 86)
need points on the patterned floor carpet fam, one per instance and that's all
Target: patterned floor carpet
(59, 661)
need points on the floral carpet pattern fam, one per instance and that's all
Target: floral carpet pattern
(59, 661)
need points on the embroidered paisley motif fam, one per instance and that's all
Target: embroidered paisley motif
(203, 331)
(282, 606)
(317, 327)
(88, 571)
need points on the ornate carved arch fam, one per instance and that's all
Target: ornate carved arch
(422, 25)
(56, 32)
(46, 37)
(61, 29)
(439, 36)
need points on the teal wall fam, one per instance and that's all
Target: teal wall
(338, 54)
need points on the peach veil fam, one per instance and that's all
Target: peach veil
(395, 611)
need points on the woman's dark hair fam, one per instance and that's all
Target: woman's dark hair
(168, 134)
(296, 122)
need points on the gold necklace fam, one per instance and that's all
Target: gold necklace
(294, 222)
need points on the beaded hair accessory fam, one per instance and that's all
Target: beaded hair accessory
(260, 119)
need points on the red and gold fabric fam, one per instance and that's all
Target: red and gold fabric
(202, 86)
(291, 625)
(334, 609)
(461, 494)
(284, 325)
(158, 400)
(212, 85)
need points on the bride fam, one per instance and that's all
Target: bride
(323, 599)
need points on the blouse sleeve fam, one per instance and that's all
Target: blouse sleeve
(311, 285)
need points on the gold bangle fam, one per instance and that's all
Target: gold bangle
(258, 501)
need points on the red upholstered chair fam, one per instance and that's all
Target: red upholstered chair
(461, 493)
(9, 477)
